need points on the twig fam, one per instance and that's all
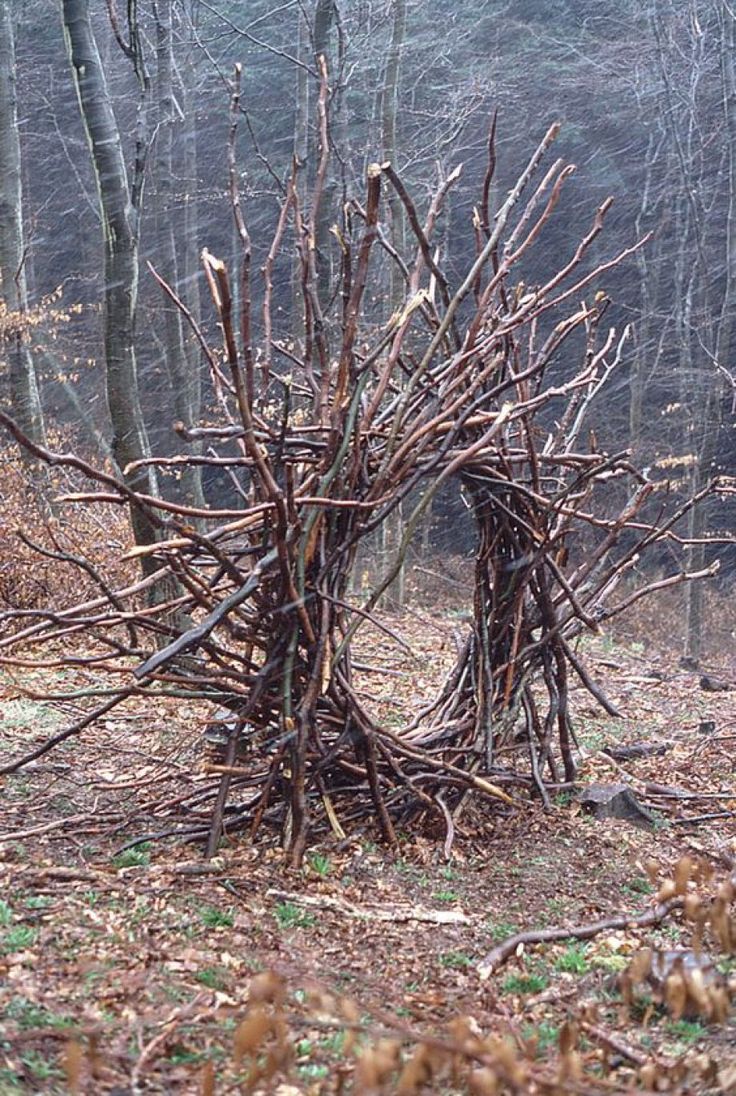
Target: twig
(507, 948)
(59, 823)
(76, 728)
(614, 1043)
(176, 1017)
(362, 913)
(696, 819)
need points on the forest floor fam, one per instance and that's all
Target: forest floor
(130, 971)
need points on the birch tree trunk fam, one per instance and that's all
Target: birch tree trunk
(120, 269)
(24, 396)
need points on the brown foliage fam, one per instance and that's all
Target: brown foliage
(29, 516)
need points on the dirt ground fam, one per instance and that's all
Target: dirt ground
(127, 970)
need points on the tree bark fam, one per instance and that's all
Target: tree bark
(24, 395)
(389, 124)
(324, 17)
(120, 239)
(300, 154)
(190, 265)
(182, 372)
(712, 409)
(393, 529)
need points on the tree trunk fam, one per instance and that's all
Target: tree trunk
(183, 374)
(324, 17)
(649, 264)
(301, 153)
(728, 76)
(712, 401)
(389, 118)
(120, 238)
(24, 396)
(389, 122)
(190, 264)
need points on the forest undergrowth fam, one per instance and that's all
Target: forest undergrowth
(138, 967)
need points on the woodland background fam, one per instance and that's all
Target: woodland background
(645, 96)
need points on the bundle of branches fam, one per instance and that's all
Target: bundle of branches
(467, 383)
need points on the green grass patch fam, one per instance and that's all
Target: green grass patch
(18, 938)
(502, 931)
(446, 896)
(574, 960)
(137, 857)
(455, 960)
(313, 1071)
(320, 864)
(38, 902)
(212, 977)
(639, 885)
(290, 916)
(215, 918)
(525, 983)
(613, 963)
(334, 1043)
(686, 1031)
(28, 1014)
(184, 1056)
(544, 1035)
(40, 1066)
(10, 1083)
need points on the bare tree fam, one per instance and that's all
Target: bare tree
(24, 395)
(119, 202)
(694, 53)
(389, 131)
(182, 366)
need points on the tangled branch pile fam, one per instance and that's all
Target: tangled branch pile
(325, 438)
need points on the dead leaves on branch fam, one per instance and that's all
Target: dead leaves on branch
(390, 1058)
(687, 981)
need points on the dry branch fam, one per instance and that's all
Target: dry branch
(391, 914)
(504, 951)
(469, 389)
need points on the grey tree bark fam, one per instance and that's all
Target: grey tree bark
(705, 272)
(119, 217)
(324, 22)
(721, 338)
(392, 530)
(190, 265)
(24, 395)
(301, 153)
(182, 371)
(389, 128)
